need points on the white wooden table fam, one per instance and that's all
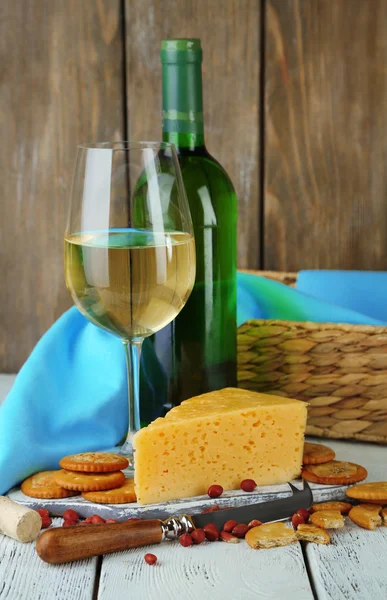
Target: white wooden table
(353, 566)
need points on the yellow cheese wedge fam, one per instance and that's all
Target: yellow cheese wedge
(220, 438)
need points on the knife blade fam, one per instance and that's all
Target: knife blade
(274, 510)
(60, 545)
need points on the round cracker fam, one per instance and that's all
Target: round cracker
(366, 516)
(327, 519)
(269, 535)
(316, 454)
(335, 472)
(312, 533)
(94, 462)
(43, 485)
(124, 494)
(374, 492)
(342, 507)
(89, 482)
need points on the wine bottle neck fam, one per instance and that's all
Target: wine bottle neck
(184, 141)
(182, 98)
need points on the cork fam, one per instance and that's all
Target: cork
(18, 522)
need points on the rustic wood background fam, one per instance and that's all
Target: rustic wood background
(295, 92)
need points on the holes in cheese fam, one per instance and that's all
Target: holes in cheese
(221, 437)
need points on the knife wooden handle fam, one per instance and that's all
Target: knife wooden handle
(64, 544)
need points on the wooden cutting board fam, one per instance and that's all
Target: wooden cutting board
(121, 512)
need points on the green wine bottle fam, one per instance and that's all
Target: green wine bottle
(196, 353)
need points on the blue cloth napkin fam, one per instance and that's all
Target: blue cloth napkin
(70, 395)
(360, 291)
(321, 296)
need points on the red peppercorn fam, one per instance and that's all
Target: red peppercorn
(214, 491)
(46, 522)
(198, 536)
(43, 512)
(70, 515)
(185, 540)
(248, 485)
(151, 559)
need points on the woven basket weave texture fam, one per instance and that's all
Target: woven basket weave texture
(340, 370)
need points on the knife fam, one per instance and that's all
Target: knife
(65, 544)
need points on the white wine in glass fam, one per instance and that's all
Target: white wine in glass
(149, 278)
(129, 246)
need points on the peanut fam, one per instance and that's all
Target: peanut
(88, 520)
(304, 513)
(229, 525)
(254, 523)
(248, 485)
(297, 520)
(70, 515)
(227, 537)
(212, 532)
(213, 508)
(198, 536)
(97, 520)
(214, 491)
(46, 522)
(240, 530)
(185, 540)
(69, 523)
(151, 559)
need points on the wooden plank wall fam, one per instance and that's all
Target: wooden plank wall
(231, 61)
(325, 134)
(61, 83)
(294, 96)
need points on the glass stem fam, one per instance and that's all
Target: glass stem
(132, 353)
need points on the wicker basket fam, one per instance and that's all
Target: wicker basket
(340, 370)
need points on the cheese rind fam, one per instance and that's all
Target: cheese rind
(221, 437)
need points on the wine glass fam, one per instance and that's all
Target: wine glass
(129, 247)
